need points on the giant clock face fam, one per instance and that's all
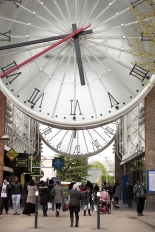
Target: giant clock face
(86, 81)
(78, 143)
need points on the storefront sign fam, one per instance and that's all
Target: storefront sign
(21, 162)
(36, 171)
(12, 154)
(36, 164)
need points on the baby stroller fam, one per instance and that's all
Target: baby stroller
(105, 203)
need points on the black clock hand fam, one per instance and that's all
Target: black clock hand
(78, 55)
(40, 41)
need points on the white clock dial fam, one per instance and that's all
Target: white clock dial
(85, 82)
(79, 143)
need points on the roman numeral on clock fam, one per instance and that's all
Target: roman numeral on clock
(14, 75)
(47, 131)
(113, 101)
(109, 131)
(136, 3)
(5, 36)
(35, 98)
(15, 2)
(148, 37)
(73, 109)
(95, 144)
(139, 72)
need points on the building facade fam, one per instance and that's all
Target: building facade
(134, 146)
(17, 153)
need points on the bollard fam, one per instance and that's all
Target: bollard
(98, 210)
(36, 209)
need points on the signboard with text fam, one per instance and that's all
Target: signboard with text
(21, 162)
(36, 171)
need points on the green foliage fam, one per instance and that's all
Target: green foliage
(143, 46)
(74, 168)
(95, 164)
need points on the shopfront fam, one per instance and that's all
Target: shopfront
(19, 163)
(137, 170)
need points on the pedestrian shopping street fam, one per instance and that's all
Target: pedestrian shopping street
(120, 220)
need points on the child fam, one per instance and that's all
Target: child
(86, 201)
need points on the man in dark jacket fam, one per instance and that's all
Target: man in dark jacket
(16, 188)
(140, 191)
(4, 194)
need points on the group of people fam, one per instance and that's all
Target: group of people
(78, 195)
(6, 190)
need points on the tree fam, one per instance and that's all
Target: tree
(143, 46)
(74, 168)
(99, 165)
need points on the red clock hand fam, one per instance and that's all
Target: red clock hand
(44, 51)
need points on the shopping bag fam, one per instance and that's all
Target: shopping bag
(49, 205)
(65, 207)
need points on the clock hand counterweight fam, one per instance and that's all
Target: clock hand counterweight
(44, 51)
(27, 43)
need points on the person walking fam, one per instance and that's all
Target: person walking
(4, 194)
(58, 197)
(96, 188)
(30, 202)
(129, 194)
(86, 201)
(140, 191)
(116, 192)
(45, 197)
(16, 188)
(75, 197)
(50, 188)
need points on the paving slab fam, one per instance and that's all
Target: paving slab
(120, 220)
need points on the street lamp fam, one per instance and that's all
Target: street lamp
(5, 137)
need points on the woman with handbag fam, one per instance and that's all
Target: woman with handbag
(30, 202)
(45, 197)
(58, 197)
(75, 197)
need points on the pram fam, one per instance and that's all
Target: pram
(105, 203)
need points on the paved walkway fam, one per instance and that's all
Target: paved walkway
(120, 220)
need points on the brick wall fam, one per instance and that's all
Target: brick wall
(150, 139)
(2, 132)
